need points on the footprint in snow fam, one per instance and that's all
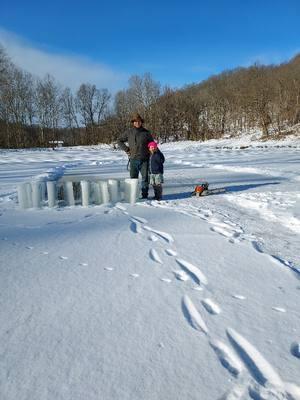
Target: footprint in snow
(211, 307)
(29, 247)
(83, 264)
(134, 275)
(45, 253)
(154, 256)
(108, 269)
(63, 257)
(295, 349)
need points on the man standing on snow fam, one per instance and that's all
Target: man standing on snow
(137, 138)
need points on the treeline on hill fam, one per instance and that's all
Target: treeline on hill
(34, 111)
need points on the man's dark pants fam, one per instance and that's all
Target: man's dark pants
(141, 166)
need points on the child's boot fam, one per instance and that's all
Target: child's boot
(157, 192)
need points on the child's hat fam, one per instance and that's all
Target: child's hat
(152, 144)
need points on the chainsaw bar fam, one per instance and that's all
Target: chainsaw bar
(211, 191)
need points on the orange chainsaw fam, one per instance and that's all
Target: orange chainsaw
(202, 190)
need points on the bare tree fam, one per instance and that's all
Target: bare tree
(102, 101)
(49, 110)
(86, 103)
(143, 92)
(4, 65)
(17, 105)
(69, 115)
(92, 104)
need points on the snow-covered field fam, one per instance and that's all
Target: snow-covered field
(188, 298)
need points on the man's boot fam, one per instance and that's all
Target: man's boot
(144, 194)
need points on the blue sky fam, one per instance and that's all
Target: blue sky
(178, 42)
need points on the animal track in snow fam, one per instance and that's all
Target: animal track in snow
(269, 384)
(181, 275)
(134, 275)
(167, 280)
(153, 238)
(29, 247)
(63, 257)
(166, 236)
(192, 270)
(192, 315)
(257, 246)
(154, 256)
(275, 259)
(198, 288)
(120, 207)
(227, 357)
(257, 365)
(108, 269)
(135, 226)
(211, 307)
(83, 264)
(236, 393)
(279, 309)
(140, 219)
(238, 296)
(288, 392)
(171, 252)
(295, 349)
(222, 231)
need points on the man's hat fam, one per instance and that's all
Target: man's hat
(136, 117)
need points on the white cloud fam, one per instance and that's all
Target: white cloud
(67, 69)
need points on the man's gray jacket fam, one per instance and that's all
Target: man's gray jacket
(138, 139)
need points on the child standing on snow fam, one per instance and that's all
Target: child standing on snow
(156, 169)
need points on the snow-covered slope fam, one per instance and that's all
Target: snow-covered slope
(188, 298)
